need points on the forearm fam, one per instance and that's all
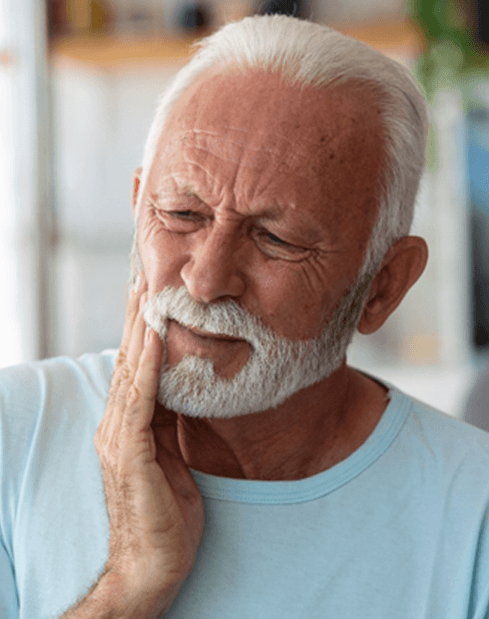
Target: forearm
(109, 599)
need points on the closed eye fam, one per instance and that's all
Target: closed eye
(276, 239)
(183, 214)
(181, 222)
(275, 247)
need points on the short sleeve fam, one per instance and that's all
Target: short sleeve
(9, 604)
(49, 412)
(19, 403)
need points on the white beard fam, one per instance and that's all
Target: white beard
(277, 367)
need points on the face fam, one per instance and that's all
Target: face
(266, 205)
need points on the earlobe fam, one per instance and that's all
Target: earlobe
(135, 189)
(403, 265)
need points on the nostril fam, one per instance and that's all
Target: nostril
(214, 278)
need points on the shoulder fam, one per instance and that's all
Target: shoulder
(444, 431)
(428, 429)
(31, 385)
(445, 451)
(49, 412)
(450, 467)
(43, 399)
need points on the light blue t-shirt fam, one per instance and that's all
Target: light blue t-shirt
(398, 530)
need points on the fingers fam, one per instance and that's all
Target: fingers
(136, 343)
(141, 396)
(131, 404)
(126, 363)
(131, 314)
(135, 405)
(127, 368)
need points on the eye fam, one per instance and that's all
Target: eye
(184, 221)
(275, 247)
(275, 239)
(181, 214)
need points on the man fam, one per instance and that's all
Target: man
(247, 471)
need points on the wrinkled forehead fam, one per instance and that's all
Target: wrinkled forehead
(258, 110)
(319, 150)
(254, 151)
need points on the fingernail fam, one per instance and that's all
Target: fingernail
(142, 301)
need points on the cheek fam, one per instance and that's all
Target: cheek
(162, 259)
(294, 302)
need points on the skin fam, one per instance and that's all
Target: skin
(234, 165)
(306, 173)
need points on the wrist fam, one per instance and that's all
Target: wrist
(134, 598)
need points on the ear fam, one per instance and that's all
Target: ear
(402, 266)
(136, 182)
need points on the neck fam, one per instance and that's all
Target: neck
(314, 430)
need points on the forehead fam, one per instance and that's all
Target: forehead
(307, 143)
(267, 110)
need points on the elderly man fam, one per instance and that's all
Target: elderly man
(241, 468)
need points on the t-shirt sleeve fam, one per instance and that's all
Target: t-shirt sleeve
(19, 402)
(9, 605)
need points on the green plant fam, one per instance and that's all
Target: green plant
(451, 50)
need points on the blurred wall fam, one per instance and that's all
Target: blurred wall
(358, 10)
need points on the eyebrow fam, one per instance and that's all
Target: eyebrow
(270, 213)
(171, 189)
(308, 229)
(274, 212)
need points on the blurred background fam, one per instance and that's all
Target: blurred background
(79, 82)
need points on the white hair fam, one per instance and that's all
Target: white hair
(309, 54)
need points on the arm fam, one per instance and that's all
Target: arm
(155, 509)
(114, 598)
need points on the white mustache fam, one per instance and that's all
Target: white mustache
(277, 367)
(222, 318)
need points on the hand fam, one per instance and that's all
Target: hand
(155, 509)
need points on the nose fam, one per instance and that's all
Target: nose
(212, 270)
